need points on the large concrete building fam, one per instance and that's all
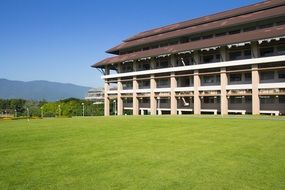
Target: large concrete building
(231, 62)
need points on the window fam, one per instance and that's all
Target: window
(247, 76)
(128, 85)
(264, 52)
(208, 36)
(280, 23)
(173, 42)
(195, 38)
(163, 64)
(234, 32)
(220, 34)
(163, 83)
(267, 76)
(281, 99)
(208, 79)
(218, 57)
(154, 46)
(248, 99)
(281, 50)
(145, 48)
(247, 54)
(208, 100)
(185, 81)
(248, 29)
(235, 77)
(236, 55)
(267, 99)
(164, 101)
(184, 40)
(163, 44)
(145, 100)
(143, 84)
(208, 58)
(266, 26)
(127, 67)
(236, 100)
(281, 74)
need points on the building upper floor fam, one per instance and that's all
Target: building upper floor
(226, 36)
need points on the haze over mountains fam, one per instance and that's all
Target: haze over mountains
(40, 90)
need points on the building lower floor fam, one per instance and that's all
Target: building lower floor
(186, 103)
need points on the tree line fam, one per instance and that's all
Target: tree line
(62, 108)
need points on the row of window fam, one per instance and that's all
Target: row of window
(183, 60)
(217, 100)
(192, 38)
(208, 79)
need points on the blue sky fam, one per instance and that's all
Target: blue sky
(58, 40)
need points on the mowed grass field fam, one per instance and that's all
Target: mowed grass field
(143, 153)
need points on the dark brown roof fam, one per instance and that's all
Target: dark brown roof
(209, 18)
(242, 19)
(276, 31)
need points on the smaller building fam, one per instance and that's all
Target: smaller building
(96, 95)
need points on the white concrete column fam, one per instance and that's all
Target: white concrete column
(107, 70)
(135, 98)
(106, 99)
(173, 100)
(197, 101)
(173, 60)
(119, 67)
(255, 96)
(224, 99)
(119, 98)
(196, 57)
(223, 52)
(254, 50)
(153, 103)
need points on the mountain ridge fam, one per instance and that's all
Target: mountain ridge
(40, 90)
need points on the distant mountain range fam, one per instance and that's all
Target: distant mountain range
(39, 90)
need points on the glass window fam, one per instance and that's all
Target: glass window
(144, 84)
(248, 29)
(145, 100)
(195, 38)
(234, 32)
(267, 99)
(218, 57)
(236, 55)
(208, 100)
(281, 99)
(128, 85)
(281, 74)
(267, 76)
(266, 51)
(208, 79)
(247, 54)
(236, 100)
(247, 76)
(185, 81)
(280, 23)
(163, 64)
(208, 58)
(248, 99)
(163, 83)
(221, 34)
(184, 40)
(235, 77)
(266, 25)
(208, 36)
(281, 50)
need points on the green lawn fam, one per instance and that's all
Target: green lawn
(143, 153)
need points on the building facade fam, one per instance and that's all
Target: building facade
(96, 95)
(227, 63)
